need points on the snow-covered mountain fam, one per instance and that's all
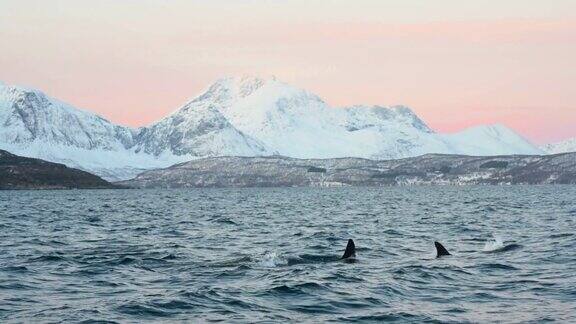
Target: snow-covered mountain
(565, 146)
(198, 129)
(296, 123)
(490, 140)
(235, 116)
(34, 125)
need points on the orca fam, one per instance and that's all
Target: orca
(350, 252)
(440, 250)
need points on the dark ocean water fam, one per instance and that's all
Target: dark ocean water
(271, 255)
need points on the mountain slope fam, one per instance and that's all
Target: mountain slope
(198, 129)
(293, 122)
(490, 140)
(27, 115)
(568, 145)
(35, 125)
(18, 172)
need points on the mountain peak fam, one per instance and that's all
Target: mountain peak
(226, 89)
(18, 89)
(244, 85)
(253, 91)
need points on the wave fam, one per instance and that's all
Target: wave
(49, 258)
(297, 289)
(497, 245)
(271, 260)
(142, 310)
(497, 266)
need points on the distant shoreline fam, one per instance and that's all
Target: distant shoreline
(425, 170)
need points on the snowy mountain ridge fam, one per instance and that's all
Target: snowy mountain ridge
(35, 125)
(244, 116)
(297, 123)
(31, 115)
(565, 146)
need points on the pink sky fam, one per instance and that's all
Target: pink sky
(456, 63)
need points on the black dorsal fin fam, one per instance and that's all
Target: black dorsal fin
(440, 250)
(350, 250)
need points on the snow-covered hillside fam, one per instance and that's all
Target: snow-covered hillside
(235, 116)
(198, 129)
(490, 140)
(34, 125)
(565, 146)
(296, 123)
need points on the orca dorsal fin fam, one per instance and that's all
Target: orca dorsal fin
(350, 250)
(440, 250)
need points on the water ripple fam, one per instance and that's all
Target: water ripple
(272, 255)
